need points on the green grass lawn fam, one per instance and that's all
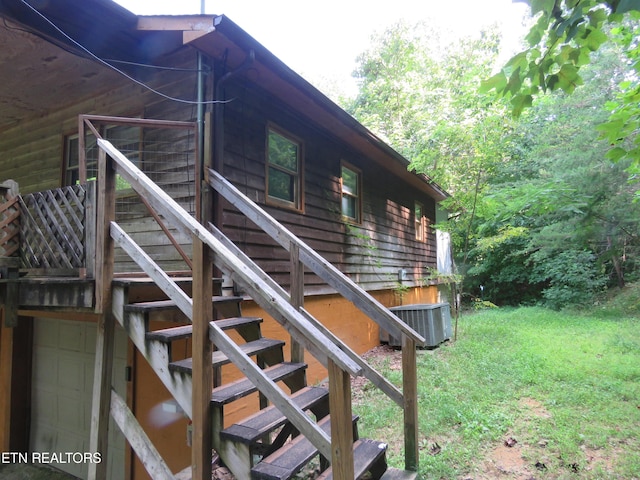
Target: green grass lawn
(565, 387)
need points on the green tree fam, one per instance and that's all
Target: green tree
(560, 223)
(420, 94)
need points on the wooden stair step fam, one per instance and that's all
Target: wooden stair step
(141, 288)
(145, 307)
(289, 460)
(256, 426)
(367, 455)
(397, 474)
(241, 388)
(218, 358)
(167, 310)
(168, 335)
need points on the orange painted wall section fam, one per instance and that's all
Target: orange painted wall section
(336, 313)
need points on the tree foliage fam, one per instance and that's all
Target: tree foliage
(539, 214)
(571, 207)
(560, 44)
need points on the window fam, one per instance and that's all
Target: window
(284, 159)
(350, 182)
(420, 222)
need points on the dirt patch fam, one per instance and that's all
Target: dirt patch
(505, 461)
(535, 408)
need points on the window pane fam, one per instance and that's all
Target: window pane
(283, 152)
(350, 207)
(281, 185)
(349, 181)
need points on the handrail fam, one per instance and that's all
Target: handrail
(266, 297)
(263, 293)
(301, 254)
(313, 260)
(367, 370)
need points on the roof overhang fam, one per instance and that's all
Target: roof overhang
(109, 31)
(228, 40)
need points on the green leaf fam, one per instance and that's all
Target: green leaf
(497, 82)
(594, 39)
(518, 61)
(552, 82)
(616, 153)
(626, 6)
(568, 78)
(597, 17)
(545, 6)
(520, 102)
(515, 82)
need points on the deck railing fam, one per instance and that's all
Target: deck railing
(9, 219)
(52, 232)
(57, 228)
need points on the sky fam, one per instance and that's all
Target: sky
(321, 40)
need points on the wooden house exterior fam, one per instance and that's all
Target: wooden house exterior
(248, 175)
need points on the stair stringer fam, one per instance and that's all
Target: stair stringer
(156, 353)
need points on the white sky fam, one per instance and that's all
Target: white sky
(321, 39)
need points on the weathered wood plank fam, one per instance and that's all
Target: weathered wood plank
(139, 441)
(341, 438)
(202, 370)
(100, 406)
(369, 372)
(156, 354)
(243, 273)
(159, 276)
(325, 270)
(410, 389)
(279, 398)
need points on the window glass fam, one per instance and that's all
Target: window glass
(351, 198)
(283, 169)
(420, 222)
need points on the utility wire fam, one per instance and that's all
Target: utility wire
(112, 67)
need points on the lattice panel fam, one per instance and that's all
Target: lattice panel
(53, 228)
(9, 227)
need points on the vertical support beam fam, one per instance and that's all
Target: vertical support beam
(202, 367)
(341, 423)
(105, 214)
(10, 297)
(101, 400)
(6, 358)
(82, 152)
(410, 393)
(90, 205)
(15, 392)
(297, 296)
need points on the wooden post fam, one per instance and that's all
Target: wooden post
(410, 391)
(202, 367)
(6, 356)
(90, 204)
(341, 423)
(101, 401)
(297, 296)
(10, 296)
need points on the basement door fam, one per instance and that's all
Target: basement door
(62, 383)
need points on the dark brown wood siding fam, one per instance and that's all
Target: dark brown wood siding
(372, 252)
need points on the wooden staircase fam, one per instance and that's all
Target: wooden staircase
(265, 445)
(296, 422)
